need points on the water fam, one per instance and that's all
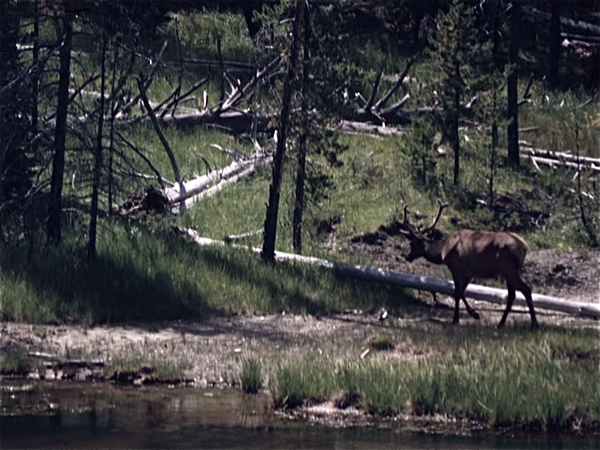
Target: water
(87, 415)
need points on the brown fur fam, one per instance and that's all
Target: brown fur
(475, 254)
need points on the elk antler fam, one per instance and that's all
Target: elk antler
(406, 228)
(439, 214)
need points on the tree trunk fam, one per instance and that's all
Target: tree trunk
(513, 107)
(268, 249)
(498, 64)
(299, 204)
(36, 73)
(554, 56)
(60, 133)
(98, 158)
(416, 28)
(454, 136)
(494, 146)
(163, 139)
(112, 129)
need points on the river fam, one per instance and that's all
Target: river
(42, 414)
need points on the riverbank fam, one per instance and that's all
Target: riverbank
(351, 368)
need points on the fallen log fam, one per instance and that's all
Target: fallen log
(234, 121)
(564, 159)
(567, 156)
(198, 185)
(219, 186)
(554, 162)
(349, 126)
(56, 361)
(238, 237)
(407, 280)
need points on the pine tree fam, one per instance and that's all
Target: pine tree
(15, 113)
(454, 47)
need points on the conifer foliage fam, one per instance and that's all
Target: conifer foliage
(454, 49)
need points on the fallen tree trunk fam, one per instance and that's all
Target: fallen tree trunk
(196, 186)
(348, 126)
(234, 121)
(220, 185)
(565, 159)
(559, 156)
(407, 280)
(559, 162)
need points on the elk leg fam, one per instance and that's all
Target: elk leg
(458, 290)
(474, 314)
(527, 293)
(509, 302)
(470, 310)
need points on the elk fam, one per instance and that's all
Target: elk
(472, 254)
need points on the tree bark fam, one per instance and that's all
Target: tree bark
(112, 129)
(65, 32)
(97, 158)
(35, 79)
(454, 136)
(9, 63)
(163, 139)
(513, 107)
(268, 249)
(299, 203)
(494, 145)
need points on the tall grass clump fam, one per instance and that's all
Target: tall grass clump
(16, 362)
(381, 387)
(516, 385)
(251, 376)
(303, 382)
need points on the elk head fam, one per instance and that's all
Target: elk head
(424, 243)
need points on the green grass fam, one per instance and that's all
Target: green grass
(14, 361)
(144, 272)
(198, 33)
(251, 376)
(301, 383)
(150, 273)
(531, 380)
(188, 147)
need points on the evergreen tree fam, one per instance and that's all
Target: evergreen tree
(15, 117)
(454, 49)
